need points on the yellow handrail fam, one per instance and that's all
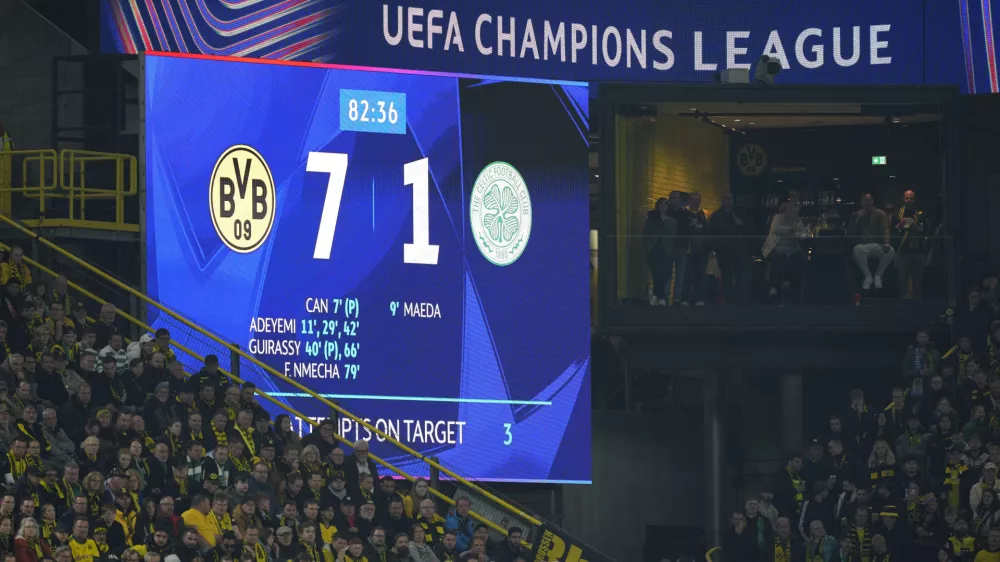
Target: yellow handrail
(131, 319)
(64, 184)
(42, 189)
(233, 349)
(68, 160)
(708, 555)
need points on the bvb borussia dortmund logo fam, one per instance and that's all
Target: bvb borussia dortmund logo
(500, 213)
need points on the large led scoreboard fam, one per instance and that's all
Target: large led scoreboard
(411, 245)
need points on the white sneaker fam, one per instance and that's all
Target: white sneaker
(700, 303)
(867, 284)
(663, 302)
(878, 282)
(653, 301)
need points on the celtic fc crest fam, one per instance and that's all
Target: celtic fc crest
(500, 213)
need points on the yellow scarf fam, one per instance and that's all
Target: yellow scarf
(259, 554)
(183, 485)
(782, 550)
(175, 443)
(241, 464)
(37, 545)
(17, 465)
(312, 550)
(247, 439)
(226, 524)
(220, 436)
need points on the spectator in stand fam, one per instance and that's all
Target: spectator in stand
(992, 353)
(858, 421)
(817, 508)
(358, 463)
(460, 522)
(881, 465)
(908, 226)
(815, 466)
(786, 546)
(760, 530)
(418, 493)
(870, 226)
(699, 250)
(10, 303)
(789, 487)
(987, 482)
(963, 545)
(921, 359)
(896, 533)
(105, 325)
(445, 549)
(658, 237)
(766, 507)
(841, 466)
(163, 345)
(783, 250)
(731, 230)
(975, 316)
(682, 245)
(913, 441)
(820, 546)
(507, 550)
(991, 553)
(15, 268)
(896, 411)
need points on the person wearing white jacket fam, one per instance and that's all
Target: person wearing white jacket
(141, 349)
(987, 481)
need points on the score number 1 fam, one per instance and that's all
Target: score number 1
(415, 173)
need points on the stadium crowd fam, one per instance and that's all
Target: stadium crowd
(911, 480)
(110, 450)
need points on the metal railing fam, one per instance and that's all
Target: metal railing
(239, 356)
(48, 176)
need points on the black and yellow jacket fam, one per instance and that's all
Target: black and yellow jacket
(861, 541)
(882, 471)
(962, 547)
(433, 530)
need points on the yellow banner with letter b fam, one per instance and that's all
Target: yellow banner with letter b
(556, 545)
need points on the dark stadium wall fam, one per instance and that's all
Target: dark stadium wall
(27, 67)
(980, 180)
(648, 473)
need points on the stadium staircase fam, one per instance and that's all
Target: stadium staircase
(45, 176)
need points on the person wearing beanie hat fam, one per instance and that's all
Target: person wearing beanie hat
(896, 532)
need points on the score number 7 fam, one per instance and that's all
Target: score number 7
(415, 173)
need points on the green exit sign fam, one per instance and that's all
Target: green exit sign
(879, 160)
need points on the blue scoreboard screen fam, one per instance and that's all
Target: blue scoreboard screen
(413, 246)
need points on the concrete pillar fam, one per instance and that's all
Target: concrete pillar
(791, 412)
(712, 389)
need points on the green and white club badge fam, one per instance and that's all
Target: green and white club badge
(500, 213)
